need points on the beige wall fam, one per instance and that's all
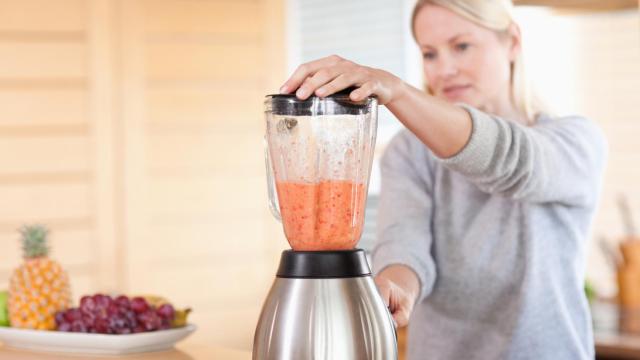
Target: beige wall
(133, 128)
(48, 153)
(607, 81)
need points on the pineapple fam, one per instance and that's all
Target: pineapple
(39, 287)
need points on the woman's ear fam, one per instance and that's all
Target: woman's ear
(515, 41)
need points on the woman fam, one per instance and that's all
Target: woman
(485, 205)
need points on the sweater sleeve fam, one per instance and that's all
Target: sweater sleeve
(559, 160)
(405, 215)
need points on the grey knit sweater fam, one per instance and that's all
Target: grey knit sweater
(497, 235)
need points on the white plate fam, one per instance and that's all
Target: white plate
(68, 342)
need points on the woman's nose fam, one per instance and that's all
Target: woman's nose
(447, 67)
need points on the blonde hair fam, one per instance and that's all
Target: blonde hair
(496, 15)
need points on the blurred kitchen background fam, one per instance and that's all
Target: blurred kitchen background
(133, 128)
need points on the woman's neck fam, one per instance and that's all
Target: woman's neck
(506, 109)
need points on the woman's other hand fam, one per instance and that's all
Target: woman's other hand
(331, 74)
(399, 287)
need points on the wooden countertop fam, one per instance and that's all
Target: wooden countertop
(617, 346)
(616, 331)
(185, 351)
(608, 346)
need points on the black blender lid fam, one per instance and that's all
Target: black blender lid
(337, 103)
(323, 264)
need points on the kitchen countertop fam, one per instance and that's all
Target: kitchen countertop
(617, 346)
(616, 331)
(182, 352)
(609, 345)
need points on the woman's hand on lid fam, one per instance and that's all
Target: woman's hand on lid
(331, 74)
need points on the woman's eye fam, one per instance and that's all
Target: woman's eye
(429, 56)
(462, 46)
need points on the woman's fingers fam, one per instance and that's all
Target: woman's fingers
(305, 70)
(322, 78)
(397, 300)
(363, 91)
(401, 317)
(342, 81)
(374, 86)
(403, 313)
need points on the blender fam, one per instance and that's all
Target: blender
(323, 303)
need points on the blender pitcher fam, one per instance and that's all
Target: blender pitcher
(323, 303)
(318, 156)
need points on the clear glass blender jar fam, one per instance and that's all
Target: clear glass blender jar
(318, 156)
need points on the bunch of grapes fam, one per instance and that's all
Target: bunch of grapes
(103, 314)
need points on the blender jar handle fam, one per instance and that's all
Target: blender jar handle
(271, 186)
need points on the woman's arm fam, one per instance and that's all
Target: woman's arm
(443, 127)
(558, 160)
(561, 162)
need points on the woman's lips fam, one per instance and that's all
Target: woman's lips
(455, 91)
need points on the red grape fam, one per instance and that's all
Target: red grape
(138, 329)
(72, 314)
(78, 326)
(139, 305)
(87, 303)
(59, 317)
(101, 326)
(166, 311)
(102, 301)
(113, 310)
(123, 301)
(150, 320)
(132, 319)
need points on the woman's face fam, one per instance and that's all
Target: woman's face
(464, 62)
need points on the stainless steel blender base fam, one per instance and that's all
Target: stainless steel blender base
(324, 319)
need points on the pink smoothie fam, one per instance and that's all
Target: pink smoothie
(322, 216)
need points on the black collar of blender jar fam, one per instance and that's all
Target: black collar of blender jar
(323, 264)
